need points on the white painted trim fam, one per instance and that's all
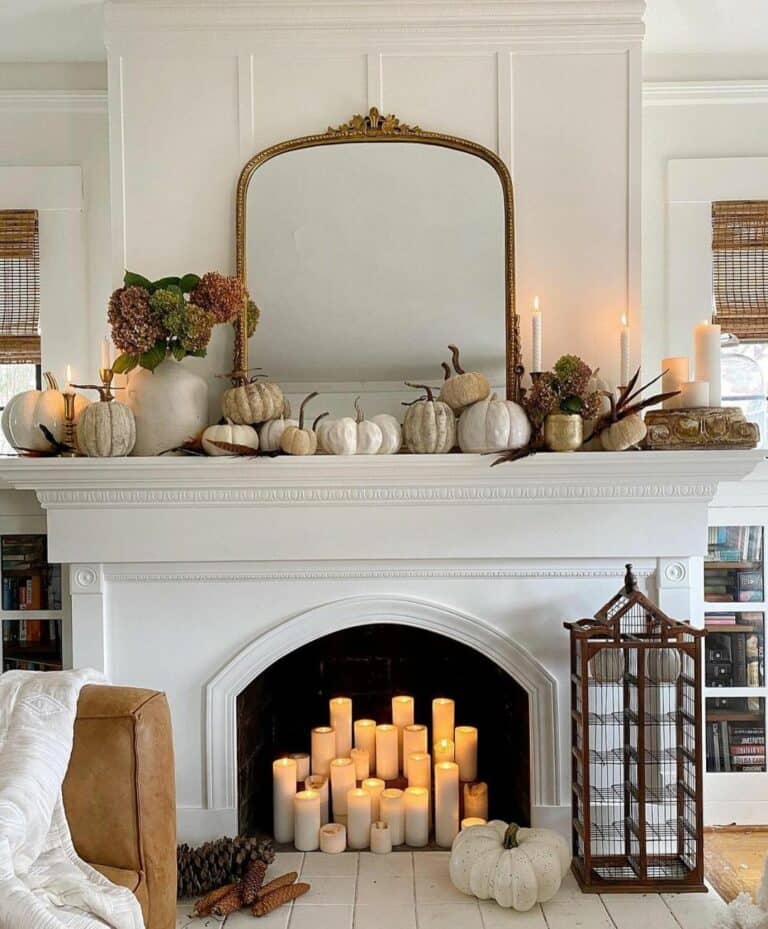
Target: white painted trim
(728, 812)
(195, 825)
(222, 691)
(682, 93)
(53, 101)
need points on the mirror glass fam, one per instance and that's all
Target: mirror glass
(367, 260)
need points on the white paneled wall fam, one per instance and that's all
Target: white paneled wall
(553, 86)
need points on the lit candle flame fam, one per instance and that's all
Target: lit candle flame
(68, 387)
(536, 305)
(623, 319)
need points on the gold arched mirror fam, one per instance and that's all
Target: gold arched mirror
(367, 260)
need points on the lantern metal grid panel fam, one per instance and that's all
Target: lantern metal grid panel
(637, 773)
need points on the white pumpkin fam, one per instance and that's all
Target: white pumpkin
(106, 429)
(429, 427)
(27, 411)
(272, 431)
(664, 666)
(347, 436)
(232, 434)
(607, 666)
(626, 433)
(254, 402)
(493, 425)
(516, 867)
(391, 434)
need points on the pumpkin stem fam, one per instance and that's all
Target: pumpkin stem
(446, 370)
(317, 420)
(455, 355)
(425, 387)
(50, 380)
(304, 402)
(360, 416)
(510, 836)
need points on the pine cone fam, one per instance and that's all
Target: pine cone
(254, 878)
(283, 881)
(229, 904)
(205, 904)
(278, 898)
(223, 861)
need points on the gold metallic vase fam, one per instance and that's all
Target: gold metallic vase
(563, 432)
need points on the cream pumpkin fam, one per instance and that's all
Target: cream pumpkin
(621, 435)
(462, 388)
(391, 434)
(230, 434)
(25, 413)
(493, 425)
(254, 402)
(296, 440)
(516, 867)
(106, 429)
(272, 431)
(429, 427)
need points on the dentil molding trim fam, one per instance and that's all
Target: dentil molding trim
(53, 101)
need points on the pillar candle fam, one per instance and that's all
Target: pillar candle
(375, 787)
(419, 770)
(365, 737)
(706, 348)
(319, 783)
(476, 799)
(392, 812)
(402, 716)
(625, 372)
(323, 749)
(361, 761)
(695, 394)
(105, 353)
(536, 322)
(414, 740)
(442, 718)
(675, 374)
(446, 803)
(387, 767)
(472, 821)
(302, 765)
(416, 816)
(381, 840)
(466, 752)
(333, 838)
(283, 792)
(444, 750)
(358, 818)
(306, 805)
(341, 720)
(342, 781)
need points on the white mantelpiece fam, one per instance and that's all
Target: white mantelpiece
(194, 575)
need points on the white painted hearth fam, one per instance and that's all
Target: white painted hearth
(193, 576)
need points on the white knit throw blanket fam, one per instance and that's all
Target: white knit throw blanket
(43, 883)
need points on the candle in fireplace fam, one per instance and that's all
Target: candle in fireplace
(414, 740)
(392, 812)
(443, 750)
(302, 765)
(442, 718)
(466, 752)
(419, 769)
(476, 799)
(341, 721)
(319, 783)
(375, 787)
(358, 818)
(361, 761)
(472, 821)
(283, 792)
(387, 767)
(333, 838)
(446, 803)
(381, 840)
(416, 816)
(323, 749)
(365, 738)
(307, 820)
(402, 716)
(342, 781)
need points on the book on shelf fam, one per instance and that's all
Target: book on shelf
(734, 746)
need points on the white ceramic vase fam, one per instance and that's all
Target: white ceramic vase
(170, 405)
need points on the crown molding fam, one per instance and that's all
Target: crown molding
(680, 93)
(53, 101)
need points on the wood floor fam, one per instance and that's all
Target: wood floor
(733, 858)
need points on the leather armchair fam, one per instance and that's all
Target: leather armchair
(119, 794)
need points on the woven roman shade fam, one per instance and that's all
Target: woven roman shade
(740, 267)
(19, 287)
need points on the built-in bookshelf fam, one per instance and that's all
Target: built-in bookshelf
(733, 571)
(32, 605)
(735, 734)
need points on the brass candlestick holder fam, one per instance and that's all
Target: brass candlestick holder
(70, 434)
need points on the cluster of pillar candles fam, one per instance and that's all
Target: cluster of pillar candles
(350, 798)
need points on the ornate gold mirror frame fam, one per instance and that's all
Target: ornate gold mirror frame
(376, 127)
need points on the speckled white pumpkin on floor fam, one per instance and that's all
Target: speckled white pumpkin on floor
(407, 890)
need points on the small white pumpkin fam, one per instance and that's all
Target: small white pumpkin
(664, 666)
(231, 434)
(621, 435)
(272, 431)
(463, 388)
(106, 429)
(391, 434)
(429, 427)
(607, 666)
(516, 867)
(296, 440)
(493, 425)
(253, 402)
(26, 412)
(347, 436)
